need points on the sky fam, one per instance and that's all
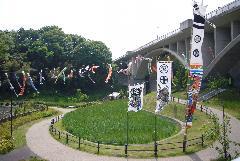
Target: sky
(123, 25)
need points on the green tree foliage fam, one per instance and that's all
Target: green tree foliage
(217, 81)
(6, 46)
(180, 75)
(48, 48)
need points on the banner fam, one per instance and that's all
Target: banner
(196, 61)
(135, 97)
(164, 76)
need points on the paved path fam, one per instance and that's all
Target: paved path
(17, 154)
(41, 143)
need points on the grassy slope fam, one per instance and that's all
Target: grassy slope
(230, 99)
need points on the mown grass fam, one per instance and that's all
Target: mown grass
(107, 122)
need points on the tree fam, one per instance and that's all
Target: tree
(217, 81)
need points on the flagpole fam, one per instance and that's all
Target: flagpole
(127, 127)
(127, 112)
(186, 112)
(155, 128)
(155, 120)
(187, 103)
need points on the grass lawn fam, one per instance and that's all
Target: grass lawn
(180, 94)
(172, 110)
(107, 123)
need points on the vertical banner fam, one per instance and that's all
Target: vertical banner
(135, 97)
(164, 76)
(196, 61)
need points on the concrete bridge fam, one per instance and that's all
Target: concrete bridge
(221, 46)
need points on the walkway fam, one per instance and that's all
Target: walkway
(44, 145)
(17, 154)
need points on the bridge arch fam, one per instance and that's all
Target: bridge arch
(225, 59)
(140, 74)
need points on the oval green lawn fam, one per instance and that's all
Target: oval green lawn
(107, 122)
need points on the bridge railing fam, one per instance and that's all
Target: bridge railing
(159, 38)
(223, 9)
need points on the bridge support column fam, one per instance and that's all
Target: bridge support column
(235, 29)
(188, 48)
(208, 48)
(181, 48)
(173, 47)
(222, 37)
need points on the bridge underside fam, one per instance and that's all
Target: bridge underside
(142, 70)
(228, 64)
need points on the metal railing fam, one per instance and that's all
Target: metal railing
(223, 9)
(211, 94)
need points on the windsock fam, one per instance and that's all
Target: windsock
(17, 79)
(94, 68)
(31, 82)
(10, 84)
(109, 73)
(70, 75)
(64, 69)
(41, 77)
(23, 84)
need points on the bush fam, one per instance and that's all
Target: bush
(217, 81)
(6, 145)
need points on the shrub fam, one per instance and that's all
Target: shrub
(6, 145)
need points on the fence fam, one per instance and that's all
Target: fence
(202, 108)
(211, 94)
(119, 149)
